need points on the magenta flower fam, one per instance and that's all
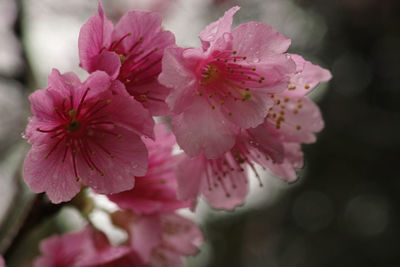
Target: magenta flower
(275, 145)
(160, 239)
(87, 248)
(84, 132)
(131, 52)
(224, 85)
(157, 190)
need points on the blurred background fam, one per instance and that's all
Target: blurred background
(343, 210)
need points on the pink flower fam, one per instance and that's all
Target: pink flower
(160, 239)
(275, 145)
(87, 248)
(226, 84)
(131, 52)
(156, 191)
(82, 131)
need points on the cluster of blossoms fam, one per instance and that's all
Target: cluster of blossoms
(237, 101)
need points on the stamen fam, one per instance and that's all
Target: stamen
(81, 103)
(54, 147)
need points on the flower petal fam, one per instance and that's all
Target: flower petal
(258, 41)
(128, 113)
(250, 112)
(307, 77)
(146, 234)
(106, 61)
(119, 158)
(302, 119)
(201, 128)
(216, 29)
(189, 174)
(227, 192)
(50, 175)
(94, 36)
(180, 234)
(176, 74)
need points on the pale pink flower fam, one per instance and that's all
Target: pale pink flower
(157, 190)
(160, 239)
(86, 248)
(82, 131)
(130, 52)
(224, 85)
(2, 263)
(275, 145)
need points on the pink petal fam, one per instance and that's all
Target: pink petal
(301, 119)
(154, 95)
(62, 84)
(268, 141)
(63, 250)
(248, 113)
(258, 41)
(160, 148)
(227, 193)
(118, 88)
(50, 175)
(216, 29)
(189, 174)
(42, 105)
(99, 83)
(128, 113)
(201, 128)
(94, 35)
(166, 258)
(176, 73)
(138, 24)
(129, 160)
(106, 61)
(150, 195)
(145, 235)
(180, 234)
(293, 160)
(308, 76)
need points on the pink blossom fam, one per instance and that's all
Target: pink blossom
(2, 263)
(87, 248)
(160, 239)
(226, 84)
(84, 132)
(293, 119)
(130, 52)
(156, 191)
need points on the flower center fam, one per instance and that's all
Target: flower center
(210, 74)
(228, 77)
(77, 124)
(73, 126)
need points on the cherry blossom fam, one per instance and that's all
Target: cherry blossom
(130, 52)
(275, 144)
(84, 132)
(225, 85)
